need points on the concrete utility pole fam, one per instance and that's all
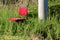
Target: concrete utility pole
(42, 9)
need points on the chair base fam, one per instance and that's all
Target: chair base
(16, 19)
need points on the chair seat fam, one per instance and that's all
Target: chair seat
(16, 19)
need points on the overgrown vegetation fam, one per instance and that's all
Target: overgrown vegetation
(30, 29)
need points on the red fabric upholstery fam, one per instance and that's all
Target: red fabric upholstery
(15, 19)
(23, 11)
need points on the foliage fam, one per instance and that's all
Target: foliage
(30, 28)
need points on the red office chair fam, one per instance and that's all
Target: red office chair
(21, 11)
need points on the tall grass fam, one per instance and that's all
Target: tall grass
(29, 28)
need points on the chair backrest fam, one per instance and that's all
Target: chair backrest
(23, 11)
